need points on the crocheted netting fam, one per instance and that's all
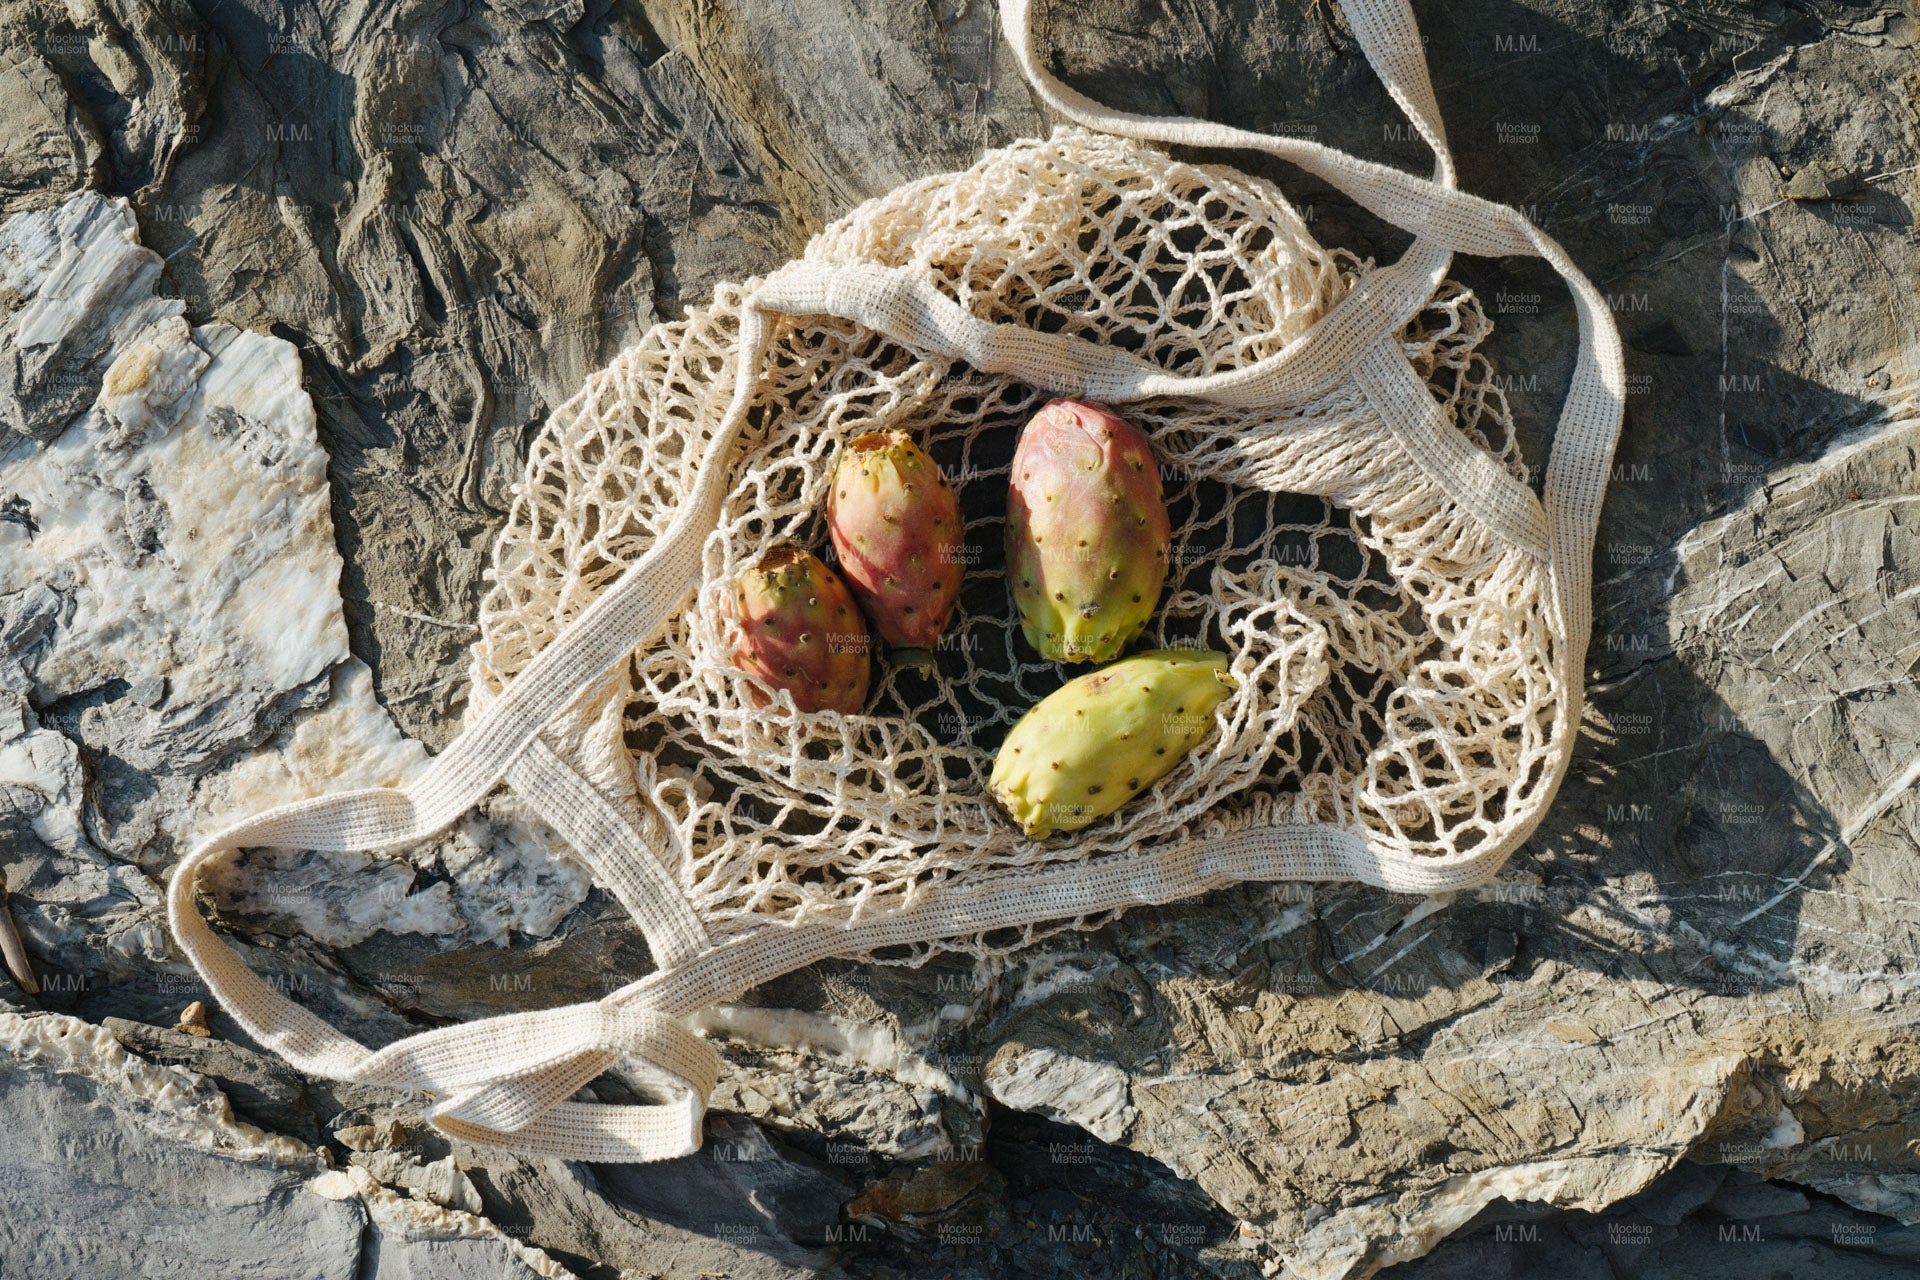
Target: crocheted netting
(1395, 665)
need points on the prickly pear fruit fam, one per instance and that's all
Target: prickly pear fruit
(1087, 533)
(896, 529)
(1102, 738)
(802, 631)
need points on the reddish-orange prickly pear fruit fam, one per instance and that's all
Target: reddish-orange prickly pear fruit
(802, 632)
(896, 530)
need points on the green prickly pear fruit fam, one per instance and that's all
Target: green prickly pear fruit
(1102, 738)
(1088, 538)
(897, 533)
(801, 631)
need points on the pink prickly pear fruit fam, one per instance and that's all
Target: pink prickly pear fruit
(802, 632)
(1088, 539)
(896, 530)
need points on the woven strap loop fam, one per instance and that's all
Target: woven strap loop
(500, 1071)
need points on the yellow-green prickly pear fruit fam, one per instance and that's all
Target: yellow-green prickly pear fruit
(1103, 738)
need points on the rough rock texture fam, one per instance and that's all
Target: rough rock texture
(247, 484)
(118, 1166)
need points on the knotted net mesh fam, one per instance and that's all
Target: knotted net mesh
(1394, 663)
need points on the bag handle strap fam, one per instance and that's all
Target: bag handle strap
(503, 1081)
(1443, 220)
(1356, 337)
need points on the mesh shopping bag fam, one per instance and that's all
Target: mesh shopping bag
(1406, 621)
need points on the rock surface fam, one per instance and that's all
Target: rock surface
(249, 474)
(188, 1190)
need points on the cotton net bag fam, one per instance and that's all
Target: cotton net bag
(1353, 525)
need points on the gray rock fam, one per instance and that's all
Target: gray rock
(742, 1188)
(262, 1090)
(173, 1186)
(1823, 1239)
(174, 1209)
(1701, 956)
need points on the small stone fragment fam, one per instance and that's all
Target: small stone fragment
(1825, 180)
(381, 1135)
(193, 1020)
(11, 948)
